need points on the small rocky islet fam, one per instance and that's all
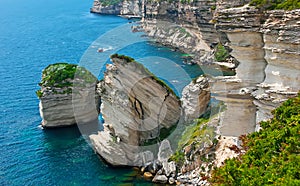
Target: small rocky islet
(182, 140)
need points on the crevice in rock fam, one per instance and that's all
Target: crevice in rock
(158, 116)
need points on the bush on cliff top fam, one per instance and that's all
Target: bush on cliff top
(62, 74)
(276, 4)
(272, 155)
(110, 2)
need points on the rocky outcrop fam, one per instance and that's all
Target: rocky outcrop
(67, 96)
(136, 107)
(281, 33)
(266, 46)
(126, 7)
(139, 111)
(185, 26)
(195, 97)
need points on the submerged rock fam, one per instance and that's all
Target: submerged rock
(67, 96)
(138, 107)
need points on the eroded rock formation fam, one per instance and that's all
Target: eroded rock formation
(139, 111)
(136, 107)
(194, 96)
(67, 96)
(126, 7)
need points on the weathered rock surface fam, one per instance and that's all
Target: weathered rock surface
(136, 107)
(266, 45)
(281, 33)
(66, 102)
(195, 98)
(160, 179)
(126, 7)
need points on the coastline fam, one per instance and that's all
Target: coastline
(241, 86)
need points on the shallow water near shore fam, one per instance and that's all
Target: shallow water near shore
(32, 36)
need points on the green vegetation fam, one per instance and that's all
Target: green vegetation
(163, 134)
(276, 4)
(61, 75)
(39, 93)
(110, 2)
(221, 53)
(184, 32)
(198, 133)
(272, 155)
(126, 58)
(194, 135)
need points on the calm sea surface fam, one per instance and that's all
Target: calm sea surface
(34, 34)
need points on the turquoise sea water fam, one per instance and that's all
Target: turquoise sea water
(34, 34)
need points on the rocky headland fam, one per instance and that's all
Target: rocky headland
(118, 7)
(142, 113)
(260, 44)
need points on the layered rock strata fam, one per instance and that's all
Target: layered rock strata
(126, 7)
(136, 107)
(194, 96)
(139, 111)
(67, 96)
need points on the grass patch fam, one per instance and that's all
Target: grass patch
(126, 58)
(163, 134)
(110, 2)
(61, 75)
(193, 136)
(198, 133)
(272, 155)
(276, 4)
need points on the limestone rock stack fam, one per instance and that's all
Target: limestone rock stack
(67, 96)
(137, 109)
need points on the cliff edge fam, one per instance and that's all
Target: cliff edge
(67, 96)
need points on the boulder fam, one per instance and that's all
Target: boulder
(148, 175)
(160, 179)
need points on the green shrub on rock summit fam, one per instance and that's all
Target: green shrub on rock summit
(110, 2)
(272, 155)
(276, 4)
(62, 75)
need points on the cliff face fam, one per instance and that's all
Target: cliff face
(139, 111)
(126, 7)
(281, 35)
(267, 44)
(136, 108)
(194, 97)
(180, 25)
(67, 96)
